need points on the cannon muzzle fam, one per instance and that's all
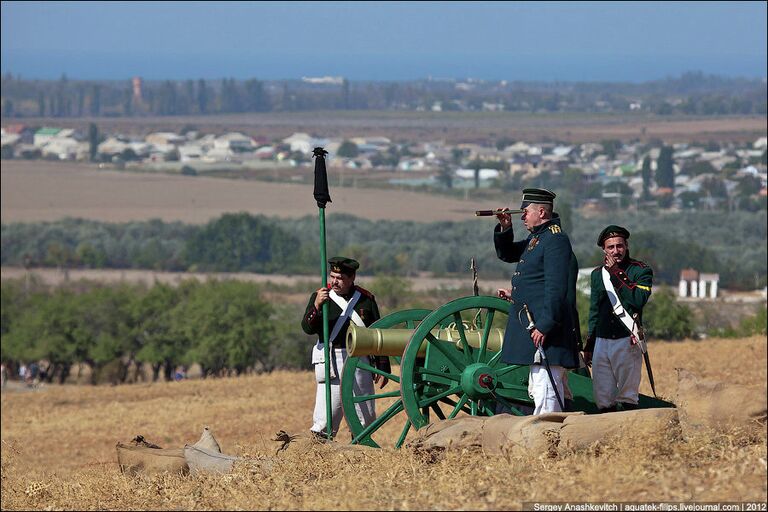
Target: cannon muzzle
(364, 341)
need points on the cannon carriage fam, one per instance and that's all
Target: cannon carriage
(450, 364)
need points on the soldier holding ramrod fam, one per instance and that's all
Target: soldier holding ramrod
(348, 303)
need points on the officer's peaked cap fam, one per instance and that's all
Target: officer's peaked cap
(537, 196)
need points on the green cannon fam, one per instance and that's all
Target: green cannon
(449, 365)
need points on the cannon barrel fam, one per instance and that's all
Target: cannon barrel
(364, 341)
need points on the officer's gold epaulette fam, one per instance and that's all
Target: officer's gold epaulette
(555, 229)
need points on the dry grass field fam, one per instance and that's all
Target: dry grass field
(453, 127)
(58, 450)
(34, 191)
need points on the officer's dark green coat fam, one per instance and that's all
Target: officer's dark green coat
(312, 321)
(632, 280)
(545, 280)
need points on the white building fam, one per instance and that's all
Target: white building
(694, 284)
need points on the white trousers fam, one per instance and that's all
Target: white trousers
(541, 390)
(616, 368)
(363, 385)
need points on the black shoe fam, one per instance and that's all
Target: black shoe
(607, 409)
(628, 407)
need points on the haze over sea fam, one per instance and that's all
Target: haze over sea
(526, 41)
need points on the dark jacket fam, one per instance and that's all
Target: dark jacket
(632, 280)
(545, 280)
(312, 321)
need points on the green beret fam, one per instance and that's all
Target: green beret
(537, 196)
(610, 232)
(343, 265)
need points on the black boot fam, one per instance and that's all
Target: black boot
(607, 409)
(628, 407)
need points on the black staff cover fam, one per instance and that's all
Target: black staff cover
(321, 193)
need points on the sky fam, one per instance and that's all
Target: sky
(528, 41)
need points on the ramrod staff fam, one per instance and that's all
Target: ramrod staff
(323, 196)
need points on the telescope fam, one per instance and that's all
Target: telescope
(491, 213)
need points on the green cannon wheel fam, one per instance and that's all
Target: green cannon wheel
(407, 319)
(466, 376)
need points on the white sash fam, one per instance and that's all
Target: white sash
(347, 311)
(620, 312)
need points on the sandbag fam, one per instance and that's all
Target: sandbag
(581, 431)
(706, 404)
(201, 460)
(496, 434)
(134, 460)
(457, 433)
(532, 434)
(207, 441)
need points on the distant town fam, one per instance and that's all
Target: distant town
(595, 175)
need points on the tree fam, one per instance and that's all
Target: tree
(647, 177)
(128, 102)
(345, 94)
(96, 100)
(93, 141)
(241, 242)
(156, 328)
(41, 104)
(392, 292)
(202, 97)
(255, 97)
(347, 149)
(8, 108)
(445, 176)
(665, 170)
(231, 325)
(167, 99)
(666, 319)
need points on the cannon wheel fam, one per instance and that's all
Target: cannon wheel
(406, 319)
(457, 382)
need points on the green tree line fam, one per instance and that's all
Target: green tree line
(733, 246)
(224, 326)
(227, 327)
(690, 94)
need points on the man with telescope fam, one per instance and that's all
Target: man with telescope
(543, 326)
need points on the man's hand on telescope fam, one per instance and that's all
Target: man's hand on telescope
(504, 219)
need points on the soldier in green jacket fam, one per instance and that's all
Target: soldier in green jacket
(612, 348)
(348, 303)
